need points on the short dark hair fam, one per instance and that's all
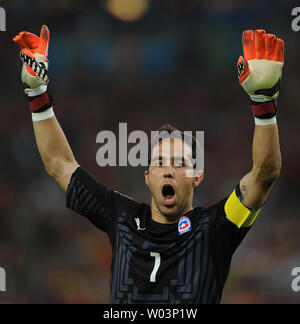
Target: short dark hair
(169, 131)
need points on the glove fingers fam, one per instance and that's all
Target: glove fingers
(279, 50)
(259, 44)
(248, 45)
(44, 41)
(27, 52)
(269, 46)
(19, 40)
(31, 40)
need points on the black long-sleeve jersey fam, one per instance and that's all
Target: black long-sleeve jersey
(182, 263)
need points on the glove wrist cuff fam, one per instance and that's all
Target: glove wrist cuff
(265, 122)
(37, 91)
(264, 110)
(40, 102)
(44, 115)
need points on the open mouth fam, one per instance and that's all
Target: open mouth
(168, 194)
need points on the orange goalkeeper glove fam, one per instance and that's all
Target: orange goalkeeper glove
(34, 54)
(260, 71)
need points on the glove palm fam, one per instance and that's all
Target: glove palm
(260, 69)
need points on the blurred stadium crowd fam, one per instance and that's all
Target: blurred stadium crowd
(170, 61)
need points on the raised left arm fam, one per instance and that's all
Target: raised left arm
(260, 74)
(256, 185)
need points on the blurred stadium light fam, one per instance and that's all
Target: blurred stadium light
(129, 10)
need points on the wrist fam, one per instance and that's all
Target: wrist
(39, 99)
(266, 121)
(46, 114)
(264, 110)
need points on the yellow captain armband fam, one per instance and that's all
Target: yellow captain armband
(239, 214)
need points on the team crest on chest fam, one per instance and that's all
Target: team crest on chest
(184, 225)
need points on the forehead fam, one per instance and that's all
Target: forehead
(172, 147)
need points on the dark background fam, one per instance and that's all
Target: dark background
(173, 64)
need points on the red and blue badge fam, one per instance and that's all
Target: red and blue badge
(184, 225)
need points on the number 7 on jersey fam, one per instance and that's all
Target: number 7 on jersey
(156, 255)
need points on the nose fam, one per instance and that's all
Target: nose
(168, 171)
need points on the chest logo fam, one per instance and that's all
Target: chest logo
(184, 225)
(138, 224)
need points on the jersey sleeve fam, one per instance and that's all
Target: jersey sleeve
(232, 222)
(237, 212)
(91, 199)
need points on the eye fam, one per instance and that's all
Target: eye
(157, 162)
(179, 163)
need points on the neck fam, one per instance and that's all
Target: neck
(161, 218)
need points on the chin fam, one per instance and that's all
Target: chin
(170, 212)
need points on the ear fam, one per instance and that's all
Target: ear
(146, 174)
(198, 178)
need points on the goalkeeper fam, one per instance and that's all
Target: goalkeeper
(169, 252)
